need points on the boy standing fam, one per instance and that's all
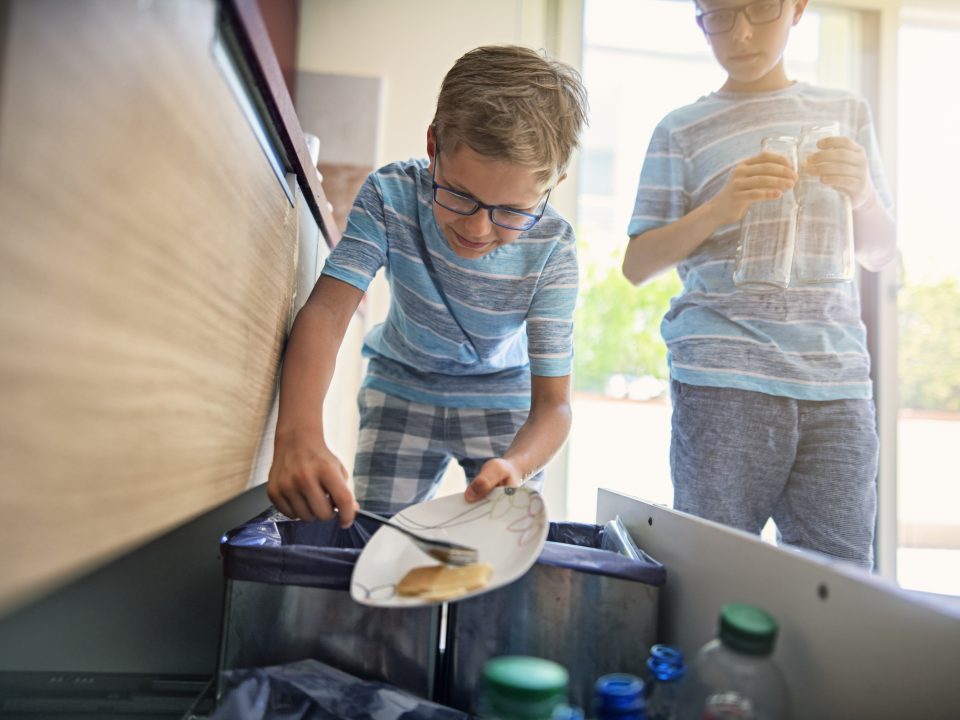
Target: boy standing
(473, 361)
(772, 405)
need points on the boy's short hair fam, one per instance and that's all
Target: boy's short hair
(512, 103)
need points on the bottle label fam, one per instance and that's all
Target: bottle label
(728, 705)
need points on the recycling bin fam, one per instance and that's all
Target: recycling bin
(287, 598)
(592, 609)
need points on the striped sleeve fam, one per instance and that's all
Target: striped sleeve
(550, 318)
(661, 195)
(362, 249)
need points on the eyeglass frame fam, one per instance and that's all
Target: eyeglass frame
(534, 217)
(736, 11)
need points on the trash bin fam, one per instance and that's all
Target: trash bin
(311, 690)
(590, 609)
(287, 598)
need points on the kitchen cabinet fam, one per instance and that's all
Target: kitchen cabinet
(161, 224)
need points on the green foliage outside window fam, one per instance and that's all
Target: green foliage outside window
(618, 332)
(930, 346)
(617, 329)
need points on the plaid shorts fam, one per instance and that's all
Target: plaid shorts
(404, 447)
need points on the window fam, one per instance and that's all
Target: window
(928, 423)
(621, 430)
(621, 433)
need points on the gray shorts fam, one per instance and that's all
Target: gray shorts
(404, 447)
(740, 457)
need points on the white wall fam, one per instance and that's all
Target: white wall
(411, 45)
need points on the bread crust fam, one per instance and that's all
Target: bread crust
(442, 582)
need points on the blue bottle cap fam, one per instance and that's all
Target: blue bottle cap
(618, 694)
(666, 663)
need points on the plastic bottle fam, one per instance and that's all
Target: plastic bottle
(824, 246)
(518, 687)
(618, 696)
(733, 676)
(768, 233)
(666, 670)
(566, 712)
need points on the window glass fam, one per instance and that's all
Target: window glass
(928, 424)
(642, 59)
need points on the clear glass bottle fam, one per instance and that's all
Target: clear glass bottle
(824, 246)
(518, 687)
(618, 696)
(768, 233)
(733, 676)
(666, 669)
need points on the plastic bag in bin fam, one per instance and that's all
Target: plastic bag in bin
(271, 548)
(311, 690)
(606, 550)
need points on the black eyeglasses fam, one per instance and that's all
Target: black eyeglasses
(500, 216)
(760, 12)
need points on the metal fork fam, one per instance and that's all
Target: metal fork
(446, 552)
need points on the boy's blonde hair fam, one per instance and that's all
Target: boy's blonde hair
(512, 103)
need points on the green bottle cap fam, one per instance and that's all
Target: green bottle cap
(521, 688)
(747, 629)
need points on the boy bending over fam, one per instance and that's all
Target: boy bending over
(473, 361)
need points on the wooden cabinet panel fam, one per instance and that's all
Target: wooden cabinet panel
(147, 265)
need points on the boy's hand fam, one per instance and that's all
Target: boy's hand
(762, 177)
(494, 473)
(307, 481)
(841, 163)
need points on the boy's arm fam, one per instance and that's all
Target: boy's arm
(874, 234)
(650, 253)
(537, 440)
(306, 479)
(762, 177)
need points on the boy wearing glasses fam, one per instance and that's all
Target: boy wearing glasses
(474, 358)
(772, 407)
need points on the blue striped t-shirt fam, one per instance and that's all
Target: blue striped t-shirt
(808, 342)
(459, 332)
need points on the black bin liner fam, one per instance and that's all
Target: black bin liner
(593, 549)
(272, 549)
(288, 599)
(311, 690)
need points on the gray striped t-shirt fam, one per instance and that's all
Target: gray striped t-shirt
(459, 332)
(808, 342)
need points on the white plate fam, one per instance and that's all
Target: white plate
(508, 529)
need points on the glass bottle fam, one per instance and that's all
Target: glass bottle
(618, 696)
(733, 676)
(666, 669)
(824, 247)
(768, 232)
(518, 687)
